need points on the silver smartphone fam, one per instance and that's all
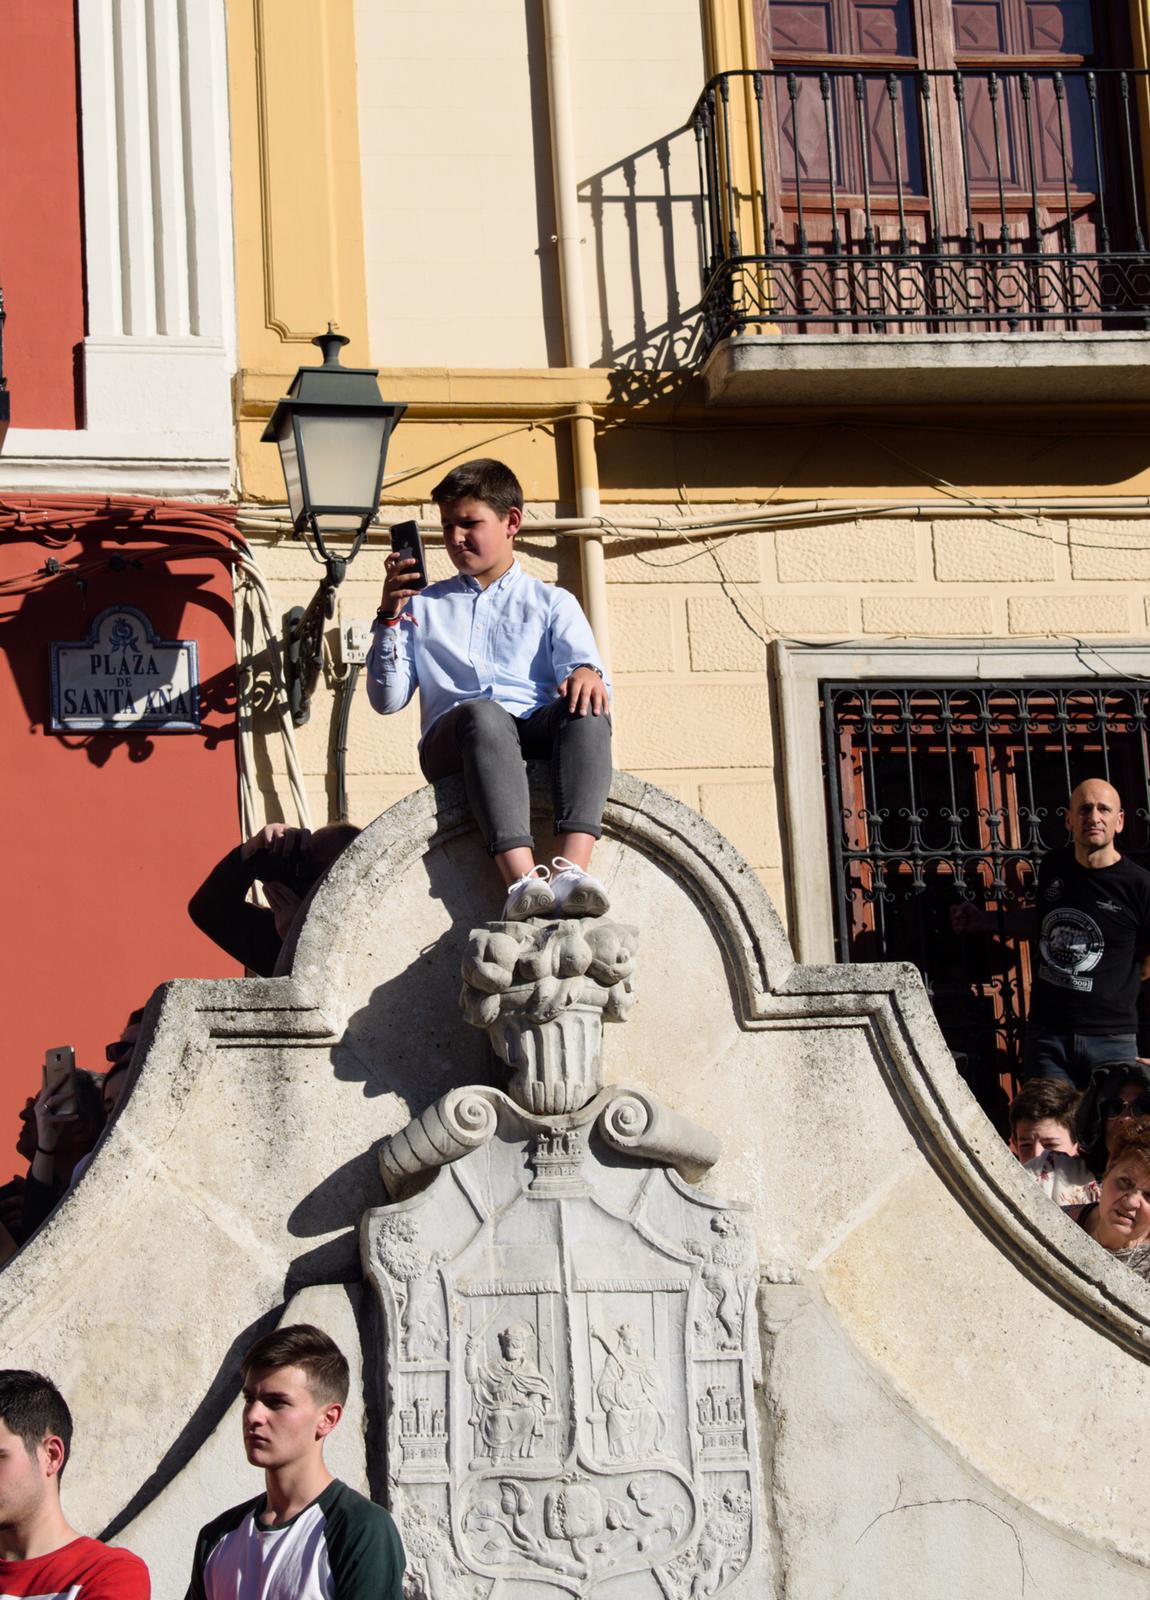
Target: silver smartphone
(60, 1072)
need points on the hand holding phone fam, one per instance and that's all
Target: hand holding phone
(60, 1074)
(406, 568)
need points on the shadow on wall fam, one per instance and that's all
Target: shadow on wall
(435, 1051)
(546, 251)
(68, 574)
(647, 227)
(202, 1423)
(408, 1040)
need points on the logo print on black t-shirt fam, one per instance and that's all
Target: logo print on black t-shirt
(1072, 946)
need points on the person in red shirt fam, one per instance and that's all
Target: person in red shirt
(40, 1554)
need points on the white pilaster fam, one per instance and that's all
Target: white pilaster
(158, 356)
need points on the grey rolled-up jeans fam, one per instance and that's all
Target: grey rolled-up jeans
(489, 747)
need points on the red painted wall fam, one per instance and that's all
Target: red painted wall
(41, 259)
(105, 835)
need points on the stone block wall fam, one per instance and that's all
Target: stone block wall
(692, 624)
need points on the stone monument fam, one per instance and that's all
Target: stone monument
(917, 1298)
(568, 1324)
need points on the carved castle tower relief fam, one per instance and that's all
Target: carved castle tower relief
(569, 1325)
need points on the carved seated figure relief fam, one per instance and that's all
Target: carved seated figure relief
(511, 1396)
(630, 1391)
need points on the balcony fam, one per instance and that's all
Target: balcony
(883, 237)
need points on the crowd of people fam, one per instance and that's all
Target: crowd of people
(1090, 1152)
(1081, 1121)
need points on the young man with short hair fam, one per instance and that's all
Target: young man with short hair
(40, 1554)
(308, 1536)
(1042, 1131)
(1042, 1118)
(507, 672)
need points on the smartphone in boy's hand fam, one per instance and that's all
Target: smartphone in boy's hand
(407, 544)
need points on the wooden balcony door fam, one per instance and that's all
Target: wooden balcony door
(1010, 166)
(849, 174)
(1048, 172)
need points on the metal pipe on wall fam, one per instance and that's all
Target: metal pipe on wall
(562, 119)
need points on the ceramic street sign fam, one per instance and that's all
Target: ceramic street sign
(123, 678)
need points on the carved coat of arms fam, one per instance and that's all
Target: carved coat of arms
(569, 1343)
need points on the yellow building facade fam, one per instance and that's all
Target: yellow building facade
(559, 249)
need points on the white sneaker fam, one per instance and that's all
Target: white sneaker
(530, 896)
(575, 892)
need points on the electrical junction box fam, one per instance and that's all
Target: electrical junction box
(354, 642)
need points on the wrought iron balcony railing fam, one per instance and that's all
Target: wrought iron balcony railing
(838, 200)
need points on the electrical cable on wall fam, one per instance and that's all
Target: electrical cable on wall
(254, 580)
(808, 513)
(346, 691)
(57, 522)
(343, 681)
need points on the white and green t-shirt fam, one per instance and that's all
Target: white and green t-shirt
(341, 1547)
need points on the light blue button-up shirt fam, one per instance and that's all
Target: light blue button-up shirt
(513, 642)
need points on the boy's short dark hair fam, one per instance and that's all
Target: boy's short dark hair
(1043, 1098)
(32, 1407)
(482, 479)
(302, 1345)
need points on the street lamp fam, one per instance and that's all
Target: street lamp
(333, 431)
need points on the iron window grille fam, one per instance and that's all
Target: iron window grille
(942, 792)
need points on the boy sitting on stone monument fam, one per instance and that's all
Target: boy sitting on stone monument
(507, 671)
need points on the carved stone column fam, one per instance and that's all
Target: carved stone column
(542, 992)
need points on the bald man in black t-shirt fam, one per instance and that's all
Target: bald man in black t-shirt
(1091, 923)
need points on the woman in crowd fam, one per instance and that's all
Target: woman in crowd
(61, 1141)
(1116, 1093)
(1120, 1220)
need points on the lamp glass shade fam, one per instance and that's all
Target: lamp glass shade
(341, 455)
(289, 460)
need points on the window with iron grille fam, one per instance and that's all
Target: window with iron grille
(941, 792)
